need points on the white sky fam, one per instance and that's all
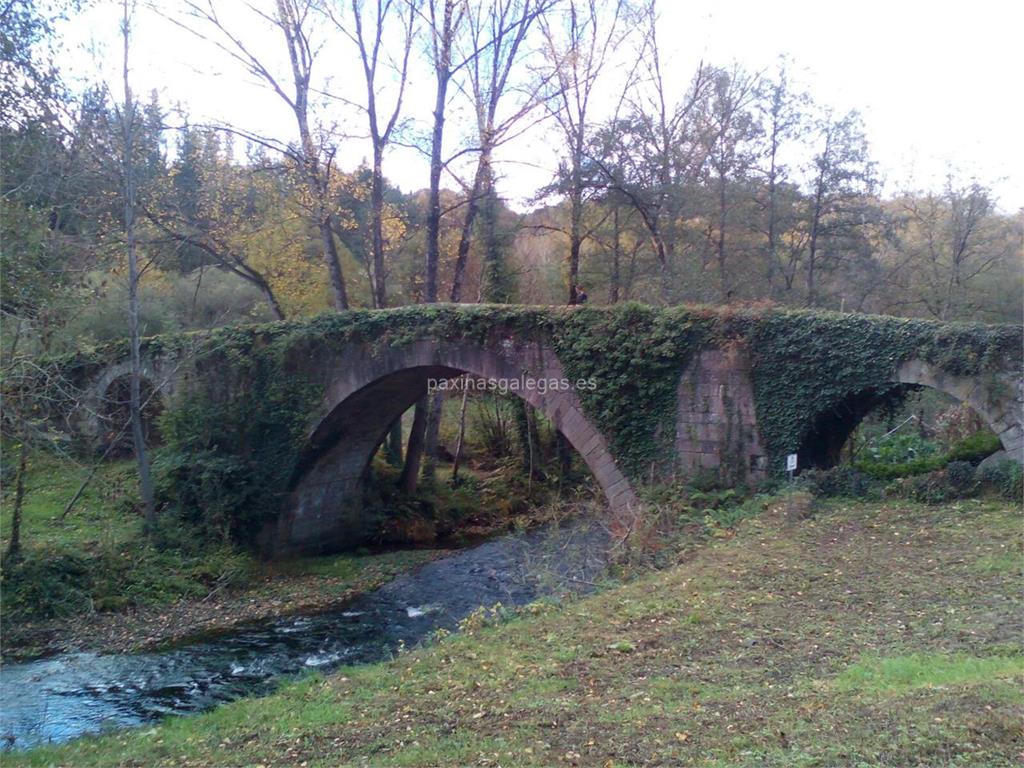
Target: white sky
(937, 83)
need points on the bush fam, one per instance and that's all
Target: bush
(971, 449)
(1004, 477)
(54, 583)
(960, 477)
(47, 585)
(974, 448)
(931, 488)
(900, 448)
(844, 481)
(956, 481)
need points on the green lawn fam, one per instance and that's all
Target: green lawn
(105, 515)
(869, 635)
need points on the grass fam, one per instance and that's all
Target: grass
(864, 636)
(899, 674)
(105, 515)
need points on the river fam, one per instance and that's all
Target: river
(59, 698)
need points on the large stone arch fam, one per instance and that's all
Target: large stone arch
(367, 387)
(997, 398)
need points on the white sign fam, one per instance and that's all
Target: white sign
(791, 462)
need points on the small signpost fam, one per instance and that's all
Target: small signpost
(791, 465)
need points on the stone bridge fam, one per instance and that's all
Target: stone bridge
(721, 377)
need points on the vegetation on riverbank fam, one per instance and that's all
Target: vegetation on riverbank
(91, 581)
(857, 634)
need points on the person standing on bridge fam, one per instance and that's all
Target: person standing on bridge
(579, 295)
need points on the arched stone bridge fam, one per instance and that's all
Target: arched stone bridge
(723, 373)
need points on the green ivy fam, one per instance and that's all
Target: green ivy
(231, 446)
(635, 354)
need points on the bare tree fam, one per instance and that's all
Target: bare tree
(313, 154)
(367, 25)
(128, 117)
(842, 175)
(497, 34)
(782, 112)
(953, 238)
(444, 20)
(223, 255)
(579, 39)
(732, 131)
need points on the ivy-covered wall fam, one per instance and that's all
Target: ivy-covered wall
(805, 364)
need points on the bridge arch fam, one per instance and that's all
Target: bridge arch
(998, 399)
(367, 388)
(105, 417)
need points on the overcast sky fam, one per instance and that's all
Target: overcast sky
(937, 83)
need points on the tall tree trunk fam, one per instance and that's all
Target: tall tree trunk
(430, 436)
(772, 215)
(393, 446)
(135, 380)
(723, 279)
(442, 72)
(377, 206)
(272, 303)
(443, 75)
(466, 236)
(498, 283)
(414, 451)
(317, 176)
(338, 292)
(14, 546)
(529, 440)
(564, 451)
(457, 459)
(575, 239)
(613, 289)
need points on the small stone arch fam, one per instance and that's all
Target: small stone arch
(367, 388)
(97, 407)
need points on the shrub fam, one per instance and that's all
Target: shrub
(974, 448)
(971, 449)
(960, 477)
(46, 585)
(54, 583)
(843, 481)
(956, 481)
(1004, 477)
(930, 488)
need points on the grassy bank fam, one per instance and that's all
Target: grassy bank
(868, 634)
(90, 581)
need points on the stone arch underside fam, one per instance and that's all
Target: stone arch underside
(997, 398)
(367, 388)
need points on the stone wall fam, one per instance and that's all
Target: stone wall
(716, 426)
